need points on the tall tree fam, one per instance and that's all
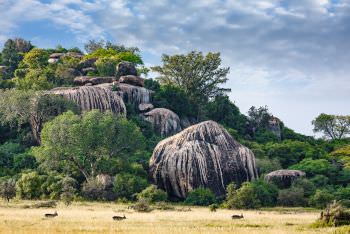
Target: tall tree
(10, 56)
(82, 142)
(198, 75)
(332, 126)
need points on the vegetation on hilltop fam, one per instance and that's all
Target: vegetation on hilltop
(75, 147)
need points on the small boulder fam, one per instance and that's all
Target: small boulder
(283, 178)
(126, 68)
(86, 70)
(87, 63)
(132, 80)
(56, 55)
(164, 121)
(144, 107)
(83, 80)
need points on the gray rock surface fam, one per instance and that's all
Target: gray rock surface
(126, 68)
(144, 107)
(164, 121)
(274, 126)
(203, 155)
(132, 80)
(93, 97)
(82, 80)
(283, 178)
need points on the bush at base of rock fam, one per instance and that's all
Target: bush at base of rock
(153, 194)
(95, 190)
(321, 198)
(200, 197)
(128, 185)
(142, 205)
(291, 197)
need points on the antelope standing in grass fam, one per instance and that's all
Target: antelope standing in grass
(118, 217)
(51, 215)
(237, 216)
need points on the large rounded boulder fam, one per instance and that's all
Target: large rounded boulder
(283, 178)
(203, 155)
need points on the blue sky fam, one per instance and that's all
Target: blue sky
(292, 56)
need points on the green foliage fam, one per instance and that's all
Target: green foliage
(68, 190)
(35, 79)
(152, 84)
(7, 188)
(152, 194)
(93, 189)
(200, 197)
(223, 111)
(66, 70)
(29, 185)
(315, 167)
(81, 142)
(36, 58)
(291, 197)
(93, 45)
(10, 56)
(306, 185)
(321, 198)
(332, 126)
(106, 66)
(199, 76)
(116, 56)
(127, 185)
(173, 98)
(213, 207)
(342, 155)
(251, 195)
(290, 152)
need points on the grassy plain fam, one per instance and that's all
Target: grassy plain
(97, 218)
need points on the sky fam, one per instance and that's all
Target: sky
(291, 55)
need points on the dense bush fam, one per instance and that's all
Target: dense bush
(200, 197)
(321, 198)
(29, 185)
(152, 194)
(93, 189)
(291, 197)
(128, 185)
(7, 188)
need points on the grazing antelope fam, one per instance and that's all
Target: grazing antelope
(237, 216)
(118, 217)
(51, 215)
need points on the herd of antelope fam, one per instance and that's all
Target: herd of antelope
(118, 218)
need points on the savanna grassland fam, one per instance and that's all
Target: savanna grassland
(97, 218)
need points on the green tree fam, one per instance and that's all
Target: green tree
(10, 56)
(36, 58)
(198, 75)
(34, 79)
(173, 98)
(106, 66)
(321, 198)
(316, 167)
(332, 126)
(81, 142)
(7, 189)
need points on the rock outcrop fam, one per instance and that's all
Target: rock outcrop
(132, 80)
(283, 178)
(203, 155)
(93, 97)
(164, 121)
(133, 94)
(274, 126)
(144, 107)
(83, 80)
(126, 68)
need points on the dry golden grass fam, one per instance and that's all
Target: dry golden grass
(97, 218)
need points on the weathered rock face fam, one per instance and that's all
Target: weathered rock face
(88, 63)
(126, 68)
(283, 178)
(83, 80)
(164, 121)
(133, 94)
(93, 97)
(132, 80)
(203, 155)
(274, 126)
(144, 107)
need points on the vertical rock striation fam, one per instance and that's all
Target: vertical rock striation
(164, 121)
(93, 97)
(203, 155)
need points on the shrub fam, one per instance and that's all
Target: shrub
(95, 190)
(321, 198)
(200, 197)
(142, 205)
(7, 189)
(291, 197)
(213, 207)
(153, 194)
(246, 197)
(29, 185)
(306, 185)
(106, 66)
(127, 185)
(68, 190)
